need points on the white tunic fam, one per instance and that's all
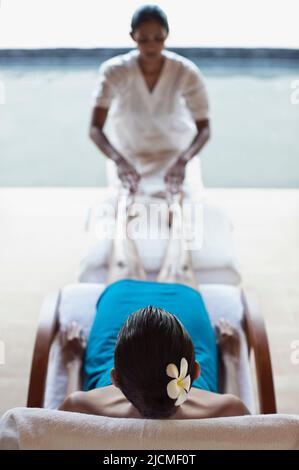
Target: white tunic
(152, 128)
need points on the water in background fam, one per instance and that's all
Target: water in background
(45, 117)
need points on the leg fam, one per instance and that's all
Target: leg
(177, 264)
(124, 261)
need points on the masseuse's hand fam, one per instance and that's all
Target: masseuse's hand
(127, 174)
(175, 176)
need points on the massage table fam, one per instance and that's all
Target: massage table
(219, 282)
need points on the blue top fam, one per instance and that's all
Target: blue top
(122, 298)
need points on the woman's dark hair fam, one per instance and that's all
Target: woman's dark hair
(149, 13)
(150, 339)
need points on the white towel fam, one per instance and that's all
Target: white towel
(35, 429)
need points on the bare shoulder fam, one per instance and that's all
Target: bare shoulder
(205, 404)
(230, 405)
(104, 401)
(80, 402)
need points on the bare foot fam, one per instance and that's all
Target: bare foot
(228, 340)
(73, 342)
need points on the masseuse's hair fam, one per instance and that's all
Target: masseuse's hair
(150, 339)
(149, 13)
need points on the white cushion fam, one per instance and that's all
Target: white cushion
(78, 302)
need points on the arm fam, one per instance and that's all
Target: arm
(231, 372)
(176, 173)
(73, 344)
(74, 382)
(228, 340)
(126, 172)
(202, 136)
(98, 118)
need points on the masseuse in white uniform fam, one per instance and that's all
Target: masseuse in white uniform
(154, 106)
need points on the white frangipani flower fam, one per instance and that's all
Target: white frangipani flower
(178, 388)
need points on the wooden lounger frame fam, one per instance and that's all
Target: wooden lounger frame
(254, 329)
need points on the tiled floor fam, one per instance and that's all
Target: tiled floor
(42, 240)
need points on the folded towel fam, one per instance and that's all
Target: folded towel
(35, 429)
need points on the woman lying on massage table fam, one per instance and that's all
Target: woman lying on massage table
(152, 350)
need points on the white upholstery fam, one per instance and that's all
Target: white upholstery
(38, 429)
(214, 261)
(78, 303)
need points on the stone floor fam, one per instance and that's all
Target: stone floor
(42, 239)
